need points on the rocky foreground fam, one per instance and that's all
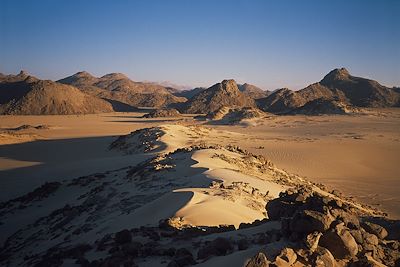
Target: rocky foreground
(191, 203)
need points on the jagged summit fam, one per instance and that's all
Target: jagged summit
(115, 76)
(23, 73)
(336, 75)
(217, 96)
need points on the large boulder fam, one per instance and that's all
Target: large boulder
(308, 221)
(375, 229)
(339, 242)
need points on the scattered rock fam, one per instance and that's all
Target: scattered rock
(163, 113)
(312, 240)
(183, 257)
(287, 257)
(218, 247)
(323, 257)
(375, 229)
(259, 260)
(309, 221)
(339, 242)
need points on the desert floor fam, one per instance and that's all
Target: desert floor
(357, 155)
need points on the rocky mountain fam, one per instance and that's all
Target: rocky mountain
(249, 90)
(162, 113)
(338, 85)
(217, 96)
(324, 106)
(361, 92)
(24, 94)
(118, 87)
(190, 93)
(253, 91)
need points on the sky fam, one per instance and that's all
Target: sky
(271, 44)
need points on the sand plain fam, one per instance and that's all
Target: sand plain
(357, 155)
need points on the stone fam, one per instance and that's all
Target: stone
(350, 220)
(287, 257)
(132, 249)
(123, 237)
(218, 247)
(370, 241)
(375, 229)
(243, 244)
(259, 260)
(358, 236)
(278, 208)
(324, 258)
(183, 257)
(339, 242)
(308, 221)
(312, 240)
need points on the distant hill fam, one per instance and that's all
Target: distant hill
(324, 106)
(190, 93)
(253, 91)
(26, 95)
(116, 86)
(337, 86)
(249, 90)
(360, 91)
(217, 96)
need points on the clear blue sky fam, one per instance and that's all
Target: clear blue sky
(271, 44)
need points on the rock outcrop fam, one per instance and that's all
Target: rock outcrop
(228, 115)
(325, 231)
(163, 113)
(224, 94)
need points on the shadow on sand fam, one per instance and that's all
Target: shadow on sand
(55, 160)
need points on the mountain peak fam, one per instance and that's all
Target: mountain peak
(229, 82)
(114, 75)
(23, 73)
(229, 86)
(336, 75)
(83, 74)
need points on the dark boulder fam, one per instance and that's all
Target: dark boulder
(375, 229)
(218, 247)
(339, 242)
(183, 257)
(123, 237)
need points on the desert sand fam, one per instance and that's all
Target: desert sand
(357, 155)
(196, 175)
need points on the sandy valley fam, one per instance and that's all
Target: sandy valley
(357, 155)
